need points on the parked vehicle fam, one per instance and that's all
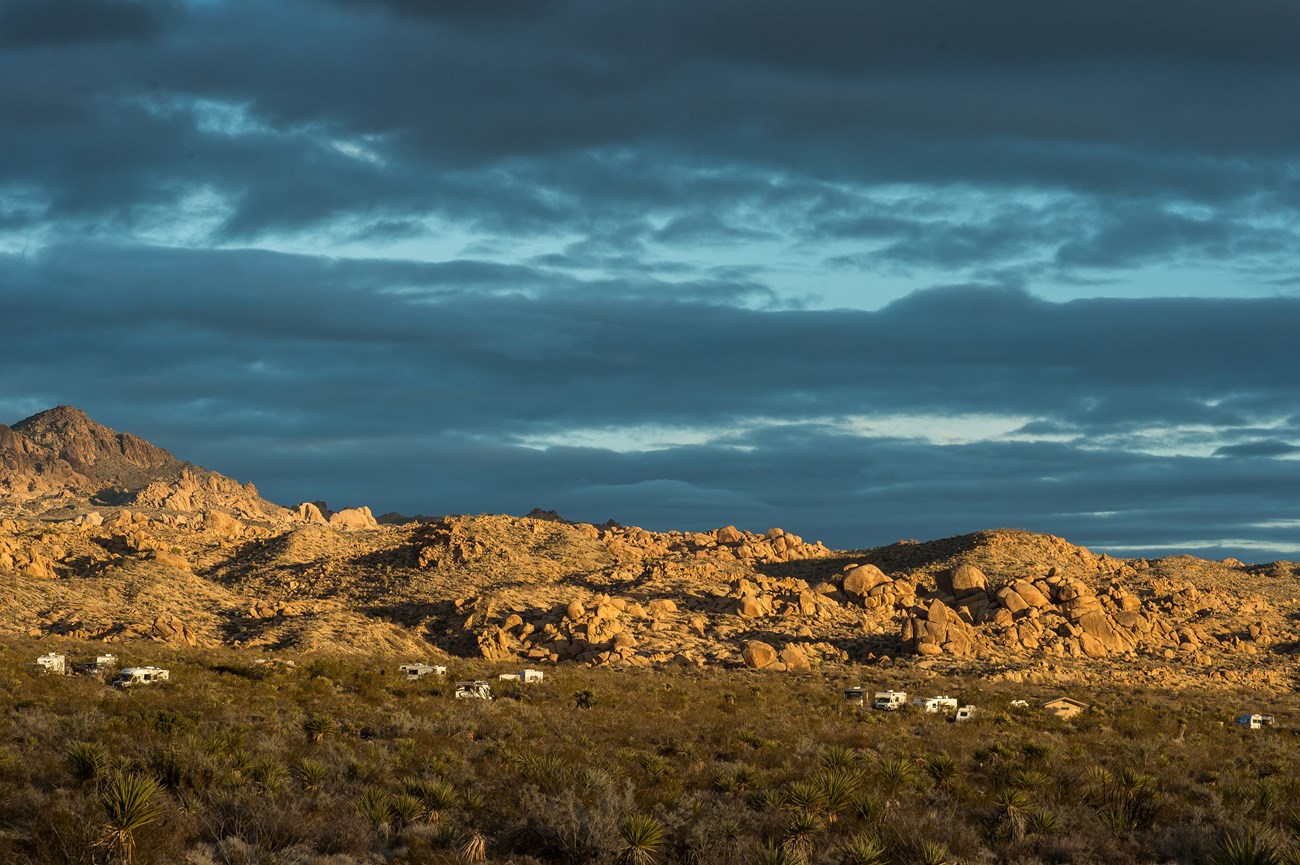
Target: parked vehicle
(477, 690)
(890, 701)
(129, 677)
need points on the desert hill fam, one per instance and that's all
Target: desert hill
(104, 536)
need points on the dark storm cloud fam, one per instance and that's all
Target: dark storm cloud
(317, 377)
(569, 115)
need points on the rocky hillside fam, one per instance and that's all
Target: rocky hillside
(106, 537)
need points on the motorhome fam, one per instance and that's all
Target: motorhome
(856, 695)
(890, 701)
(131, 676)
(478, 690)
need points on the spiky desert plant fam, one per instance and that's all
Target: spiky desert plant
(838, 758)
(893, 775)
(801, 832)
(1244, 848)
(1040, 821)
(863, 848)
(1012, 806)
(311, 773)
(942, 769)
(269, 774)
(130, 803)
(805, 796)
(472, 847)
(839, 790)
(374, 805)
(87, 761)
(435, 797)
(933, 853)
(405, 808)
(643, 838)
(773, 854)
(318, 725)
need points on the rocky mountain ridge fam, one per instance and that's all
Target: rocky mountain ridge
(104, 536)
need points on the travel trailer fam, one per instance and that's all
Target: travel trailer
(890, 701)
(965, 713)
(415, 671)
(935, 705)
(52, 663)
(131, 676)
(473, 691)
(523, 676)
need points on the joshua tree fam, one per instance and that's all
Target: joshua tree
(130, 802)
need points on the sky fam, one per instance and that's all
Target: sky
(864, 271)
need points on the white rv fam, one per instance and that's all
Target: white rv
(890, 701)
(415, 671)
(473, 691)
(965, 713)
(52, 663)
(131, 676)
(531, 676)
(935, 705)
(1255, 721)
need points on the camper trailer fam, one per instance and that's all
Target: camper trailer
(522, 676)
(890, 701)
(856, 695)
(473, 691)
(965, 713)
(415, 671)
(1255, 721)
(132, 676)
(935, 705)
(52, 663)
(97, 668)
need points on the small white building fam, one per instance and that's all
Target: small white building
(965, 713)
(856, 695)
(477, 690)
(52, 663)
(1254, 720)
(935, 705)
(415, 671)
(890, 701)
(1020, 704)
(132, 676)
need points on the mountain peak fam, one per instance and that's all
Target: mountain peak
(90, 448)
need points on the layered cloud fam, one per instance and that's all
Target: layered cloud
(864, 271)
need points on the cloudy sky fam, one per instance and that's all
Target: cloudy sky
(865, 271)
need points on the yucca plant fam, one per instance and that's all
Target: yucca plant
(318, 725)
(894, 775)
(1244, 848)
(838, 758)
(805, 796)
(801, 831)
(774, 854)
(405, 808)
(643, 838)
(838, 790)
(942, 769)
(1012, 808)
(87, 761)
(472, 847)
(1040, 821)
(863, 848)
(311, 773)
(130, 803)
(269, 774)
(375, 806)
(933, 853)
(435, 797)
